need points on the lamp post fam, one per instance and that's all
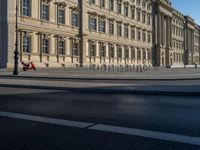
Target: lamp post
(16, 52)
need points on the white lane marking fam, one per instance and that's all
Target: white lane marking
(107, 128)
(148, 134)
(46, 120)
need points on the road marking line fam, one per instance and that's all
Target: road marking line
(148, 134)
(46, 120)
(106, 128)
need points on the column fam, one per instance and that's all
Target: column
(98, 49)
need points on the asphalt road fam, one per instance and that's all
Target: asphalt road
(104, 80)
(178, 115)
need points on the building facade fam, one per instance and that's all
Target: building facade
(108, 33)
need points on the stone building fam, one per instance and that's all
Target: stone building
(178, 38)
(108, 33)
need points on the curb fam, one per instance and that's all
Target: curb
(93, 78)
(105, 90)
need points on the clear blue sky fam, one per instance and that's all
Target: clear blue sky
(188, 7)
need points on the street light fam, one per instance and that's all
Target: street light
(16, 52)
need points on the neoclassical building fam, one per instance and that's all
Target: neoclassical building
(61, 33)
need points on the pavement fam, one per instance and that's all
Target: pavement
(162, 81)
(58, 120)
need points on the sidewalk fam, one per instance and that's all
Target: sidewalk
(108, 82)
(160, 74)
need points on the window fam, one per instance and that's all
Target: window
(102, 26)
(132, 53)
(144, 36)
(119, 8)
(26, 43)
(144, 54)
(111, 51)
(138, 15)
(126, 52)
(143, 4)
(45, 11)
(149, 55)
(92, 1)
(149, 38)
(126, 31)
(45, 45)
(148, 6)
(111, 27)
(61, 15)
(61, 46)
(138, 53)
(102, 3)
(126, 10)
(119, 29)
(132, 33)
(133, 13)
(138, 35)
(119, 52)
(138, 2)
(102, 50)
(148, 19)
(27, 7)
(92, 49)
(143, 18)
(93, 23)
(111, 5)
(75, 48)
(75, 17)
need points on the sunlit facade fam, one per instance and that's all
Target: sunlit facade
(109, 33)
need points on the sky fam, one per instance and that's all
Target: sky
(188, 7)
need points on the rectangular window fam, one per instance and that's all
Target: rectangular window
(149, 38)
(119, 52)
(138, 15)
(126, 10)
(111, 27)
(111, 51)
(126, 31)
(133, 13)
(102, 26)
(102, 3)
(138, 35)
(144, 36)
(144, 54)
(75, 21)
(45, 11)
(26, 43)
(126, 52)
(61, 47)
(92, 1)
(27, 7)
(149, 55)
(92, 50)
(102, 50)
(119, 8)
(111, 5)
(45, 45)
(138, 54)
(133, 54)
(93, 23)
(61, 15)
(148, 19)
(75, 49)
(143, 18)
(132, 33)
(119, 29)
